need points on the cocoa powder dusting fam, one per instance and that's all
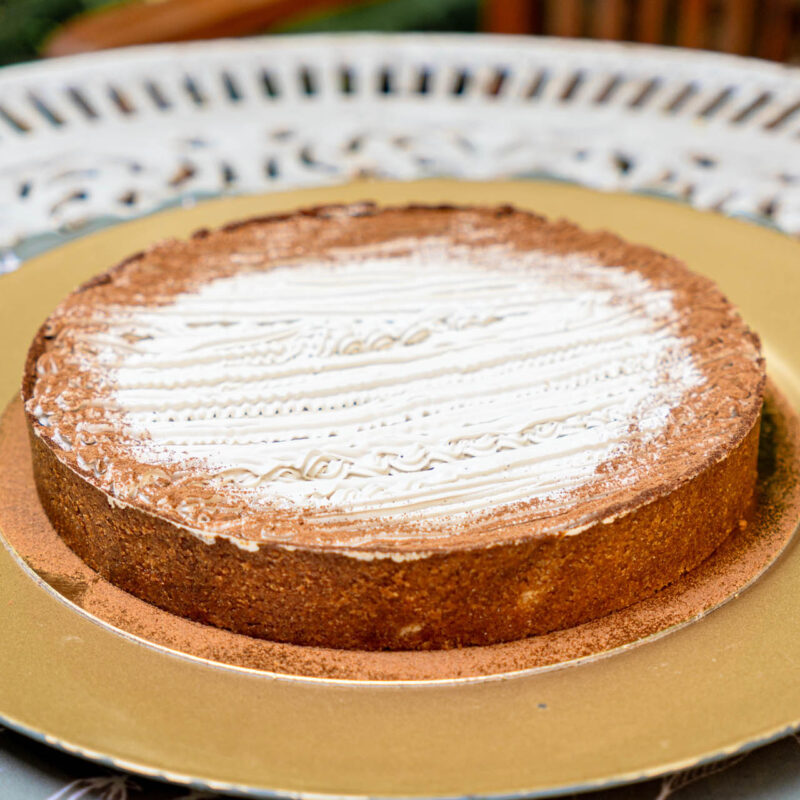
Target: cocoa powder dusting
(702, 430)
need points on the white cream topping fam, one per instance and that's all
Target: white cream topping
(428, 385)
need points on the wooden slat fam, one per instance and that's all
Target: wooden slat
(565, 17)
(737, 26)
(173, 21)
(609, 17)
(775, 34)
(693, 20)
(508, 16)
(650, 16)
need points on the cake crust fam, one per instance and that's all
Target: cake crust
(513, 577)
(465, 597)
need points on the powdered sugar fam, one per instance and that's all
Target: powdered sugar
(423, 385)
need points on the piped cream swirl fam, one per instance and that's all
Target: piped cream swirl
(420, 385)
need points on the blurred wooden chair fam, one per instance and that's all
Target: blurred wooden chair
(152, 21)
(761, 28)
(749, 27)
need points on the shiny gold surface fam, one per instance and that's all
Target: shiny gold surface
(709, 688)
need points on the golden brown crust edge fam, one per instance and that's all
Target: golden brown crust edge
(470, 597)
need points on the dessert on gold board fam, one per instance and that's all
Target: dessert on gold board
(409, 428)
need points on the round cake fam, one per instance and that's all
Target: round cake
(403, 428)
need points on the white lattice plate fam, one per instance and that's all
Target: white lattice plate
(115, 135)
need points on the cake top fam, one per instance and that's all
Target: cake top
(393, 380)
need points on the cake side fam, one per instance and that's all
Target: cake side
(476, 596)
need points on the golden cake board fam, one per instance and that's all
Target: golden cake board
(706, 690)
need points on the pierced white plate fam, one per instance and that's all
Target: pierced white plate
(118, 134)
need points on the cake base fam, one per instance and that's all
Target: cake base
(735, 565)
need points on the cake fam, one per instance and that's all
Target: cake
(402, 428)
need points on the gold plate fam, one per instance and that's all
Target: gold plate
(712, 688)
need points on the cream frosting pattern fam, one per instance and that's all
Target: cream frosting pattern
(382, 383)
